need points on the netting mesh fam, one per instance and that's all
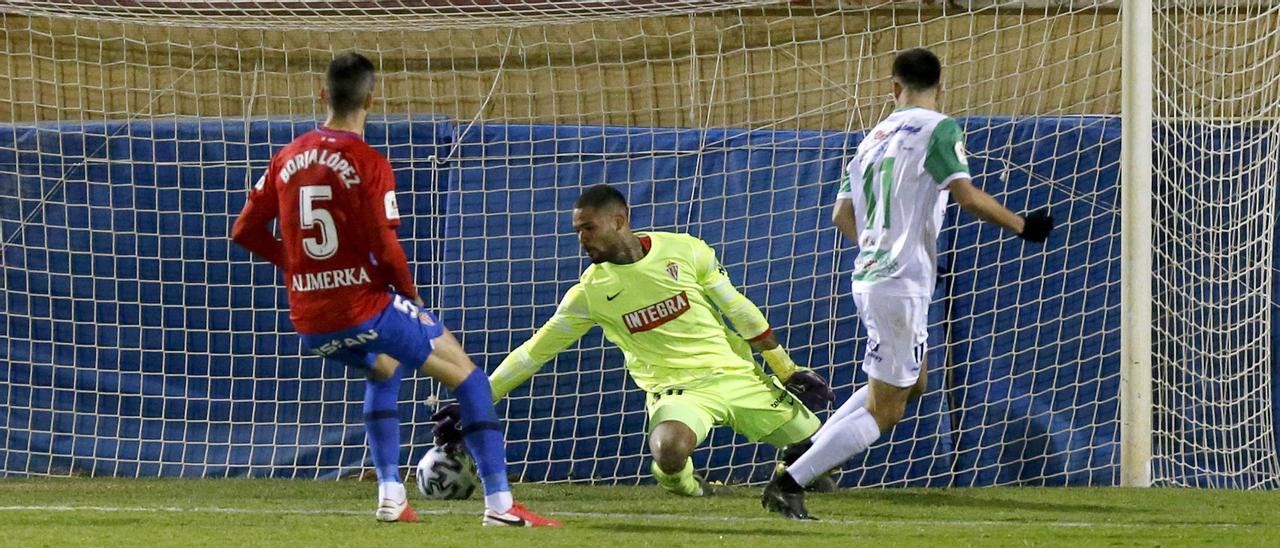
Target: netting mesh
(138, 341)
(1217, 150)
(367, 15)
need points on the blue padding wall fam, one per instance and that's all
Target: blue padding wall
(139, 341)
(1035, 329)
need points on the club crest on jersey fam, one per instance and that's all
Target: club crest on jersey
(673, 269)
(656, 314)
(425, 318)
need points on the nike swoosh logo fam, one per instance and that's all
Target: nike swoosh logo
(516, 521)
(611, 297)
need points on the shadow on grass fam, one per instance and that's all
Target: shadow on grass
(962, 500)
(701, 529)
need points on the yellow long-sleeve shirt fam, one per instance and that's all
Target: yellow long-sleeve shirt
(664, 311)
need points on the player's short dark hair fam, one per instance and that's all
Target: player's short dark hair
(599, 196)
(917, 69)
(349, 81)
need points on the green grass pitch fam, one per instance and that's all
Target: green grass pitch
(237, 512)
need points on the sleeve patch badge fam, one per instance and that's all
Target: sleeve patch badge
(389, 203)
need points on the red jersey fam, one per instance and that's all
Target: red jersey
(335, 198)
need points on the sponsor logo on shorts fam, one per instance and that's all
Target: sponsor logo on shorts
(347, 342)
(784, 396)
(656, 314)
(873, 351)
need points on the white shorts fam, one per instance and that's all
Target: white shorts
(897, 336)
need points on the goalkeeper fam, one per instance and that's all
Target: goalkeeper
(660, 297)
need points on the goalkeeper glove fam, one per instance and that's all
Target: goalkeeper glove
(1037, 225)
(806, 385)
(810, 389)
(447, 432)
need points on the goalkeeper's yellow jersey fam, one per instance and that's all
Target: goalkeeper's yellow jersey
(663, 312)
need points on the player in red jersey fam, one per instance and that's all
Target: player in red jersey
(335, 199)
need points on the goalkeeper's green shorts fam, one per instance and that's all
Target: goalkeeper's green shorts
(752, 404)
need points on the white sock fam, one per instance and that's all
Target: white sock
(391, 490)
(846, 437)
(855, 402)
(499, 502)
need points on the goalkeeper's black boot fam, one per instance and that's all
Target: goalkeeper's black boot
(784, 496)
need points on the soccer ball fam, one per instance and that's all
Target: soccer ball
(448, 476)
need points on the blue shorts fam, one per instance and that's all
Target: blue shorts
(403, 330)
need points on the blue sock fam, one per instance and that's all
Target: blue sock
(382, 425)
(482, 432)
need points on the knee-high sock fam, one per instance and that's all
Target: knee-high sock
(681, 483)
(855, 402)
(482, 433)
(845, 438)
(382, 425)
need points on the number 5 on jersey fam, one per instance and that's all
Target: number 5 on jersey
(327, 245)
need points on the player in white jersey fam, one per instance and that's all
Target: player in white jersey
(891, 204)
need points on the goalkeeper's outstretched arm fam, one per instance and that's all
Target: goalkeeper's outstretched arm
(745, 316)
(751, 325)
(565, 327)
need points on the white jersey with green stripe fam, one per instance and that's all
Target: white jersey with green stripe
(898, 184)
(664, 312)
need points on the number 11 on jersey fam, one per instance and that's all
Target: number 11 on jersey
(885, 171)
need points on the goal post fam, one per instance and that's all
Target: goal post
(1135, 236)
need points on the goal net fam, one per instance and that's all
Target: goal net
(1216, 164)
(138, 341)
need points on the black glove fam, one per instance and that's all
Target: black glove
(447, 432)
(810, 389)
(1038, 225)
